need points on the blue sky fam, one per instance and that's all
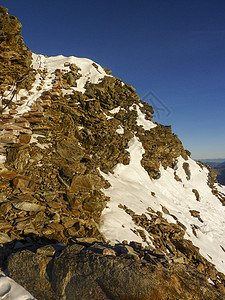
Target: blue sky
(173, 49)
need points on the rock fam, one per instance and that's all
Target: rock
(85, 241)
(187, 170)
(4, 225)
(21, 182)
(5, 208)
(79, 273)
(6, 174)
(109, 251)
(24, 138)
(4, 238)
(27, 206)
(15, 57)
(25, 262)
(196, 193)
(70, 152)
(25, 225)
(46, 250)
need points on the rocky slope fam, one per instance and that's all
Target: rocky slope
(82, 157)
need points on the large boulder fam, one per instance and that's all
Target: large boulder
(92, 270)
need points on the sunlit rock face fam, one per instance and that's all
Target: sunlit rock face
(81, 157)
(15, 58)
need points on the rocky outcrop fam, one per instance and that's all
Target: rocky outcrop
(15, 58)
(76, 136)
(89, 269)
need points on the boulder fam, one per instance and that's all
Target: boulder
(81, 272)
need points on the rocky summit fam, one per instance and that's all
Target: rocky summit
(98, 201)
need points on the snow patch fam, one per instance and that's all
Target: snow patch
(115, 110)
(2, 158)
(142, 121)
(89, 72)
(120, 130)
(11, 290)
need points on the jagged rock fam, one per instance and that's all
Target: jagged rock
(187, 170)
(26, 262)
(79, 272)
(161, 147)
(15, 58)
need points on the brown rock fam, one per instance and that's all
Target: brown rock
(46, 250)
(5, 208)
(6, 174)
(4, 238)
(24, 138)
(21, 182)
(4, 225)
(27, 206)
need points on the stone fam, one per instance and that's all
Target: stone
(7, 174)
(109, 251)
(187, 170)
(79, 273)
(27, 206)
(21, 182)
(5, 208)
(24, 138)
(85, 241)
(25, 225)
(47, 250)
(196, 193)
(25, 262)
(17, 128)
(4, 225)
(4, 238)
(15, 57)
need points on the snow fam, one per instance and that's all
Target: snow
(132, 186)
(88, 71)
(34, 139)
(141, 121)
(107, 117)
(10, 290)
(210, 281)
(115, 110)
(120, 130)
(2, 158)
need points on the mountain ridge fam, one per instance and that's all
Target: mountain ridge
(82, 157)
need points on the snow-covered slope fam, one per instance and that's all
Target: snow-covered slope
(131, 186)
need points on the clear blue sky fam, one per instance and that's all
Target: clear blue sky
(173, 48)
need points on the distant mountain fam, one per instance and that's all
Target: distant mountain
(219, 166)
(212, 160)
